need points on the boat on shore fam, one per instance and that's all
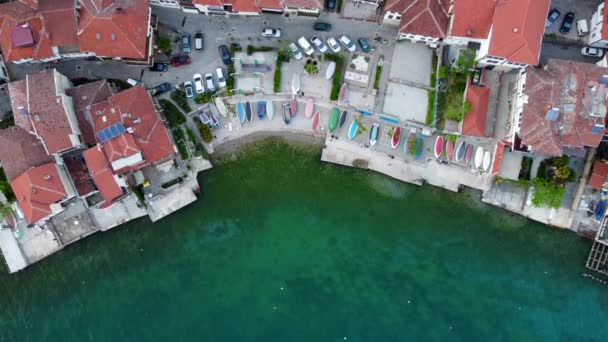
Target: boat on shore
(352, 130)
(310, 106)
(261, 109)
(373, 134)
(343, 117)
(248, 111)
(204, 118)
(315, 120)
(221, 107)
(215, 122)
(478, 157)
(240, 112)
(286, 112)
(486, 161)
(468, 154)
(343, 94)
(270, 109)
(295, 83)
(449, 149)
(334, 116)
(438, 149)
(293, 108)
(460, 151)
(331, 69)
(396, 137)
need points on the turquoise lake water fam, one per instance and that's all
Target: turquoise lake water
(282, 247)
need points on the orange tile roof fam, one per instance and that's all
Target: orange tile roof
(101, 173)
(475, 121)
(243, 6)
(86, 95)
(518, 30)
(36, 189)
(315, 4)
(20, 150)
(498, 154)
(421, 17)
(598, 175)
(472, 18)
(275, 4)
(120, 147)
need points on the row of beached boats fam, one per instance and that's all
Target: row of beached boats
(463, 153)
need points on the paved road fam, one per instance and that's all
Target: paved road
(563, 51)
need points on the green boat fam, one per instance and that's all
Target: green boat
(333, 119)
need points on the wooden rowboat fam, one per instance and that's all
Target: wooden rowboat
(333, 119)
(449, 149)
(343, 94)
(331, 69)
(310, 105)
(270, 110)
(396, 137)
(438, 146)
(315, 120)
(352, 130)
(478, 157)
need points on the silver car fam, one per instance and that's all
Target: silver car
(319, 44)
(333, 44)
(295, 51)
(348, 44)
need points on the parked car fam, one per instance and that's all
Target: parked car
(552, 17)
(333, 44)
(589, 51)
(305, 45)
(270, 32)
(295, 51)
(320, 26)
(567, 23)
(159, 67)
(188, 89)
(363, 44)
(331, 4)
(209, 82)
(199, 41)
(161, 88)
(180, 60)
(582, 28)
(348, 44)
(186, 47)
(198, 83)
(221, 80)
(225, 54)
(319, 44)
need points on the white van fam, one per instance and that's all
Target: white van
(303, 42)
(582, 28)
(198, 41)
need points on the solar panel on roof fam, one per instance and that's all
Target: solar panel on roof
(604, 79)
(597, 129)
(121, 128)
(102, 136)
(113, 130)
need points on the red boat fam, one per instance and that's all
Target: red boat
(449, 150)
(468, 154)
(438, 146)
(315, 120)
(396, 137)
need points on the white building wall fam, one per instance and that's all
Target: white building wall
(518, 99)
(166, 3)
(391, 18)
(595, 29)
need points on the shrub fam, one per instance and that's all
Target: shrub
(179, 97)
(203, 98)
(8, 121)
(277, 73)
(191, 135)
(377, 77)
(251, 49)
(430, 109)
(5, 187)
(164, 44)
(547, 194)
(206, 133)
(120, 84)
(172, 113)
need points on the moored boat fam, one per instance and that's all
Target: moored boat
(261, 109)
(331, 68)
(215, 122)
(411, 140)
(248, 111)
(449, 149)
(343, 94)
(396, 137)
(293, 108)
(240, 112)
(310, 106)
(221, 107)
(295, 83)
(486, 161)
(270, 110)
(438, 149)
(478, 157)
(285, 111)
(373, 134)
(315, 120)
(343, 117)
(333, 119)
(460, 151)
(204, 118)
(352, 130)
(468, 154)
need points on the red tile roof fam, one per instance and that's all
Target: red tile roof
(243, 6)
(518, 30)
(421, 17)
(472, 18)
(120, 147)
(60, 21)
(475, 121)
(122, 28)
(314, 4)
(567, 86)
(13, 14)
(87, 95)
(36, 189)
(102, 174)
(598, 175)
(498, 154)
(275, 4)
(20, 150)
(79, 175)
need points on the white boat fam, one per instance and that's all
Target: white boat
(221, 107)
(478, 157)
(295, 83)
(331, 68)
(486, 161)
(270, 109)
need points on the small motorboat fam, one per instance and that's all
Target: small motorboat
(205, 119)
(270, 110)
(343, 118)
(240, 112)
(295, 83)
(310, 106)
(449, 149)
(315, 120)
(438, 146)
(478, 157)
(460, 151)
(486, 161)
(248, 111)
(215, 122)
(286, 111)
(343, 94)
(331, 68)
(373, 134)
(396, 137)
(468, 154)
(293, 108)
(411, 140)
(333, 119)
(261, 109)
(352, 130)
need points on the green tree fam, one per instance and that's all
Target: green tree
(360, 127)
(164, 44)
(547, 194)
(206, 133)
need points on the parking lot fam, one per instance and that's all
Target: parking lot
(582, 9)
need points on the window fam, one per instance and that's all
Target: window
(397, 16)
(98, 35)
(113, 36)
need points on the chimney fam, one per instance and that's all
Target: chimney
(47, 177)
(103, 4)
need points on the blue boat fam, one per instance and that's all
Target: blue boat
(599, 212)
(352, 131)
(240, 112)
(261, 109)
(248, 111)
(373, 135)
